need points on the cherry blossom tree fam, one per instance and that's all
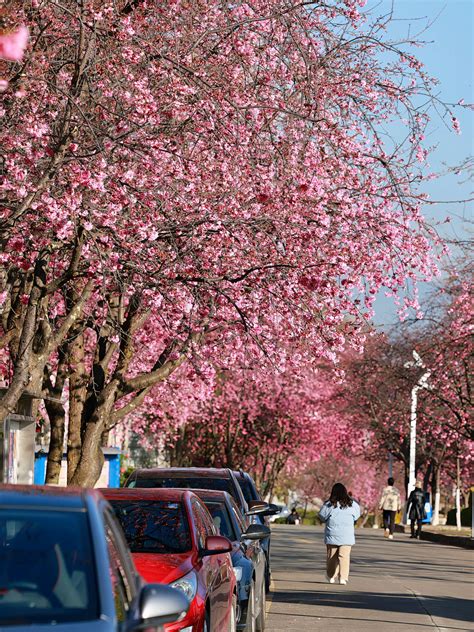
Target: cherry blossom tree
(363, 479)
(256, 418)
(185, 178)
(380, 385)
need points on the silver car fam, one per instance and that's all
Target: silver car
(64, 563)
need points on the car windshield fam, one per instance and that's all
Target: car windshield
(221, 518)
(188, 482)
(47, 569)
(154, 526)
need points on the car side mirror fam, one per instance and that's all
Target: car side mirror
(158, 605)
(256, 507)
(272, 510)
(256, 532)
(216, 545)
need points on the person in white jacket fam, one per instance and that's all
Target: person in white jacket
(390, 503)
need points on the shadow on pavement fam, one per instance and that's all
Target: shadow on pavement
(351, 621)
(443, 607)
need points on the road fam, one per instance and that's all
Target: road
(393, 586)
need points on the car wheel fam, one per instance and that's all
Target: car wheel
(250, 622)
(260, 623)
(233, 615)
(268, 577)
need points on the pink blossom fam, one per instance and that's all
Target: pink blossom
(13, 44)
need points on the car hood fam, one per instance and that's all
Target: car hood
(163, 568)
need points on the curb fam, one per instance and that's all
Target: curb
(453, 540)
(269, 597)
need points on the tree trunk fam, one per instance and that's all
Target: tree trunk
(77, 394)
(466, 497)
(91, 460)
(56, 415)
(435, 488)
(427, 476)
(57, 419)
(365, 517)
(22, 365)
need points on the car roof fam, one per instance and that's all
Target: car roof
(145, 493)
(241, 474)
(183, 472)
(67, 498)
(213, 494)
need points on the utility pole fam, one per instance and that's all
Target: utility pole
(421, 383)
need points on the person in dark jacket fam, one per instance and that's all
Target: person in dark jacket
(416, 509)
(294, 517)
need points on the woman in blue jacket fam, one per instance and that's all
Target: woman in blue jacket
(339, 513)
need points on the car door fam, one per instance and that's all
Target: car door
(208, 566)
(253, 551)
(215, 568)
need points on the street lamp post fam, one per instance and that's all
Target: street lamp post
(421, 383)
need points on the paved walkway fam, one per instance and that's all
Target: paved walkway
(394, 585)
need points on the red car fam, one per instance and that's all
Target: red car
(173, 541)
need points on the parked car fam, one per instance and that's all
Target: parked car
(173, 540)
(222, 479)
(252, 496)
(283, 512)
(248, 556)
(64, 563)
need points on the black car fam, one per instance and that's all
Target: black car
(252, 497)
(248, 557)
(220, 479)
(64, 562)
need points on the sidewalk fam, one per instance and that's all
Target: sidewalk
(451, 537)
(443, 535)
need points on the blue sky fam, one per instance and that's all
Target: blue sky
(449, 56)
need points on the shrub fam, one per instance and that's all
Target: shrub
(466, 517)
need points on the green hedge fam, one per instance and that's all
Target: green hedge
(311, 518)
(466, 517)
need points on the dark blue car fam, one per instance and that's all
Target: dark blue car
(252, 497)
(248, 556)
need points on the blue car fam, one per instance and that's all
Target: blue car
(248, 556)
(64, 564)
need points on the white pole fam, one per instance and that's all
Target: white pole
(458, 495)
(412, 460)
(422, 383)
(472, 514)
(437, 499)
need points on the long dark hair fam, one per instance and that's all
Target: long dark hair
(339, 495)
